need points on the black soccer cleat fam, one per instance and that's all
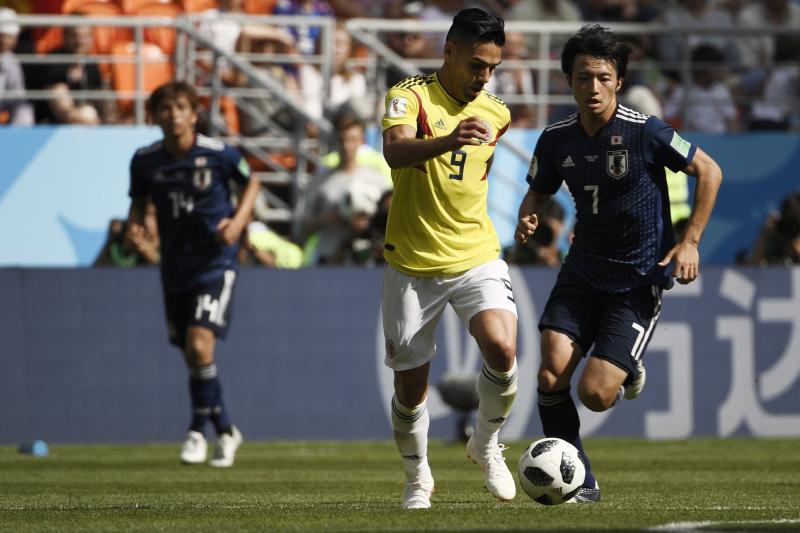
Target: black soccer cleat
(586, 495)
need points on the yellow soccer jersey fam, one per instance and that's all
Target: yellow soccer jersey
(438, 221)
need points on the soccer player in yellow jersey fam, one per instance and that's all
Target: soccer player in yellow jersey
(439, 136)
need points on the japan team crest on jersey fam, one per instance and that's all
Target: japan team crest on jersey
(201, 178)
(617, 163)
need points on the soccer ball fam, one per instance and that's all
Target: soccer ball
(551, 471)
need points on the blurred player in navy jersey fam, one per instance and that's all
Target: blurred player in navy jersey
(187, 177)
(608, 292)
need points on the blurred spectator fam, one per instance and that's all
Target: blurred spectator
(734, 7)
(641, 98)
(679, 208)
(334, 209)
(345, 9)
(440, 10)
(779, 240)
(347, 85)
(708, 104)
(223, 32)
(777, 105)
(140, 247)
(621, 10)
(644, 80)
(259, 114)
(515, 80)
(262, 246)
(366, 155)
(688, 14)
(64, 78)
(13, 111)
(759, 50)
(542, 249)
(359, 206)
(305, 36)
(544, 11)
(407, 44)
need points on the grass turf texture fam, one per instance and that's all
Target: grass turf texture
(738, 484)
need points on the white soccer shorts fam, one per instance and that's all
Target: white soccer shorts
(412, 307)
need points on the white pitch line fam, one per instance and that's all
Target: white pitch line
(706, 524)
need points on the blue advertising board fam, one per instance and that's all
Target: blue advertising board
(85, 358)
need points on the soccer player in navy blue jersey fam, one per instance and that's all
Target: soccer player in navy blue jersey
(187, 177)
(607, 297)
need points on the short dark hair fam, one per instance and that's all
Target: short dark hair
(599, 42)
(475, 25)
(171, 90)
(344, 121)
(707, 53)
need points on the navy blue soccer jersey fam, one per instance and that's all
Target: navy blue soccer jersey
(192, 195)
(617, 180)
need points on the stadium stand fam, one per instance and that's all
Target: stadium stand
(131, 7)
(287, 155)
(156, 70)
(161, 35)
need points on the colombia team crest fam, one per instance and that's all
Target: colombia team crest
(617, 163)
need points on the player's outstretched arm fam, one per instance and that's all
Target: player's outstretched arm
(532, 204)
(230, 229)
(685, 253)
(403, 149)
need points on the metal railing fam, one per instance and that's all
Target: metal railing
(285, 184)
(545, 64)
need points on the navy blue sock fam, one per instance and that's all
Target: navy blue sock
(560, 419)
(219, 415)
(202, 390)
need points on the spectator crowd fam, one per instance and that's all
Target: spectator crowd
(734, 81)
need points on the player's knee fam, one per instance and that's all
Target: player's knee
(500, 354)
(549, 381)
(198, 351)
(594, 398)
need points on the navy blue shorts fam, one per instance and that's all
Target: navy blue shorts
(207, 305)
(618, 325)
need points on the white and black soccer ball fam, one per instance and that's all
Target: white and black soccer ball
(551, 471)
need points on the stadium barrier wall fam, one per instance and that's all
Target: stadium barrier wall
(64, 184)
(85, 358)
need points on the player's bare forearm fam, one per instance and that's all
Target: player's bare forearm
(533, 203)
(231, 229)
(402, 148)
(136, 211)
(529, 209)
(247, 200)
(709, 178)
(685, 254)
(135, 218)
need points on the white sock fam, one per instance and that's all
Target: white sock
(411, 435)
(496, 391)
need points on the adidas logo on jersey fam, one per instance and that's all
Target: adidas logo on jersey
(568, 162)
(440, 124)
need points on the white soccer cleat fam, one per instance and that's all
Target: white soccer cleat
(418, 491)
(499, 480)
(194, 448)
(636, 385)
(225, 448)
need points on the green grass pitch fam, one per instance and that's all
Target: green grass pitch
(698, 484)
